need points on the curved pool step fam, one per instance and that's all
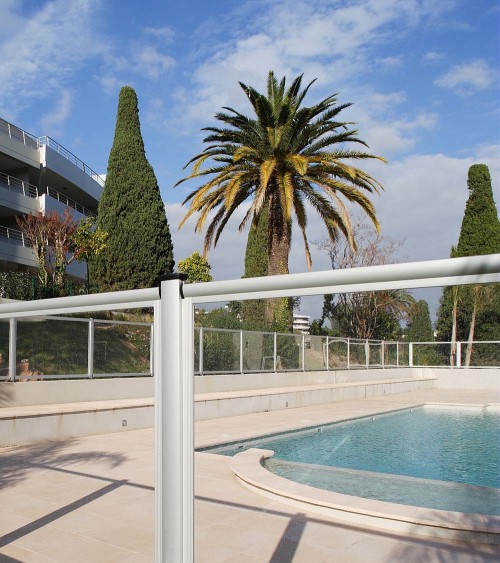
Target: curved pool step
(472, 528)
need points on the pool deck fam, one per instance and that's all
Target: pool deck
(92, 499)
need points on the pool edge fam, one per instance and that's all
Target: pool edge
(471, 528)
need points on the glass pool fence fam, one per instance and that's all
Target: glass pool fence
(69, 347)
(219, 351)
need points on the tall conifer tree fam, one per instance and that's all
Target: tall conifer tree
(139, 246)
(479, 234)
(420, 326)
(253, 312)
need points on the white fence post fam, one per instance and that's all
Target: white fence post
(303, 352)
(241, 352)
(90, 356)
(12, 348)
(367, 353)
(152, 350)
(458, 359)
(410, 354)
(348, 353)
(327, 354)
(201, 351)
(174, 424)
(274, 353)
(382, 354)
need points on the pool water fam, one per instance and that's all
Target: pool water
(440, 458)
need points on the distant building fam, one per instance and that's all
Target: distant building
(302, 323)
(38, 174)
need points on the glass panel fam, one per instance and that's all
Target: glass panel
(483, 354)
(4, 348)
(221, 351)
(432, 354)
(48, 347)
(258, 351)
(315, 350)
(288, 352)
(375, 353)
(357, 354)
(121, 349)
(390, 354)
(337, 354)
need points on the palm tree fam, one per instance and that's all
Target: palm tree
(283, 158)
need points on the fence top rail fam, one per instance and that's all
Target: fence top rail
(432, 273)
(131, 299)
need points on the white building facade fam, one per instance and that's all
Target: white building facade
(38, 174)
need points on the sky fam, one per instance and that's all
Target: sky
(422, 76)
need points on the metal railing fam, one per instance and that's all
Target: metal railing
(18, 134)
(29, 140)
(173, 362)
(74, 348)
(13, 236)
(54, 145)
(69, 202)
(229, 351)
(19, 186)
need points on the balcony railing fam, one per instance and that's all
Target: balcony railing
(18, 186)
(18, 134)
(69, 202)
(48, 142)
(30, 140)
(13, 236)
(29, 190)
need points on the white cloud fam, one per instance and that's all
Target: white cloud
(40, 52)
(150, 62)
(52, 122)
(432, 57)
(165, 33)
(110, 84)
(330, 41)
(468, 78)
(390, 63)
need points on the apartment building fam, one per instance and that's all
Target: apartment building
(38, 174)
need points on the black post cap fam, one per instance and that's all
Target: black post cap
(175, 276)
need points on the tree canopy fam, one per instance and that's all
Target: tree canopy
(285, 158)
(139, 247)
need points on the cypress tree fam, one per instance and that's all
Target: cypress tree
(420, 326)
(479, 234)
(253, 311)
(139, 246)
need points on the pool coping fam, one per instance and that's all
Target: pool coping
(478, 528)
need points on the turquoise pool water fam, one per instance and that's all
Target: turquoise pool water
(440, 458)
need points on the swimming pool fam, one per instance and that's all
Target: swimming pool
(433, 457)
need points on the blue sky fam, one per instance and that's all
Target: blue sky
(423, 76)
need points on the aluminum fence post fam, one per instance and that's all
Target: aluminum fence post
(382, 354)
(274, 353)
(348, 353)
(201, 351)
(241, 352)
(174, 496)
(151, 350)
(458, 359)
(410, 354)
(12, 348)
(367, 353)
(303, 346)
(90, 352)
(397, 354)
(327, 354)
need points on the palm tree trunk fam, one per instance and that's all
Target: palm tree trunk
(453, 350)
(278, 311)
(468, 353)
